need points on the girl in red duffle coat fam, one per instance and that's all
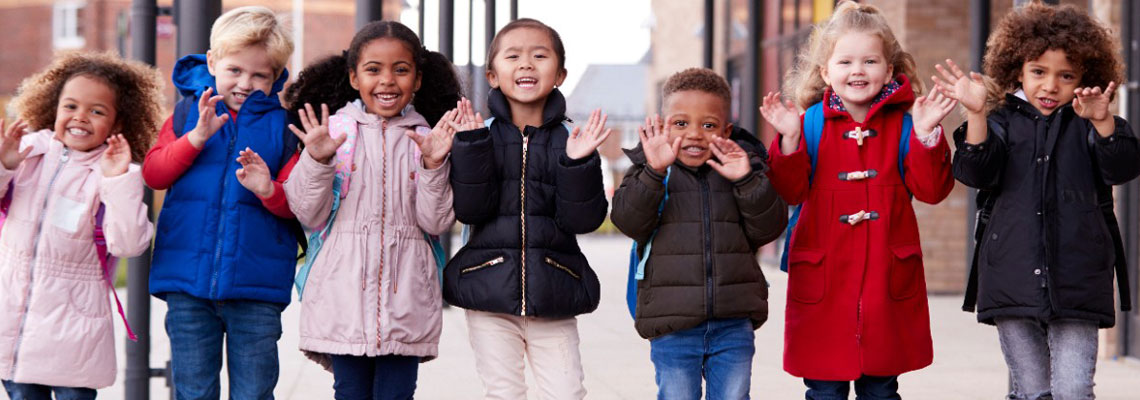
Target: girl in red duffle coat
(857, 308)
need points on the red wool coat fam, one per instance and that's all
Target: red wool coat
(857, 293)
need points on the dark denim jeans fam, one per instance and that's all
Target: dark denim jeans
(30, 391)
(1056, 359)
(197, 328)
(866, 388)
(720, 351)
(376, 378)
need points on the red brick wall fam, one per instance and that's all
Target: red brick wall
(27, 46)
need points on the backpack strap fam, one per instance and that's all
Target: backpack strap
(638, 257)
(812, 131)
(904, 144)
(340, 184)
(1107, 207)
(184, 107)
(109, 264)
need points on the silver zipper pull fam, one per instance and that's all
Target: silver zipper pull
(63, 157)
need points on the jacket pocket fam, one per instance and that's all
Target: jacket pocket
(551, 262)
(904, 272)
(489, 263)
(807, 276)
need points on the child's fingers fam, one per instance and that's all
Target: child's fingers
(676, 146)
(605, 135)
(1111, 87)
(641, 134)
(204, 99)
(415, 138)
(324, 114)
(945, 74)
(297, 133)
(976, 77)
(310, 118)
(954, 68)
(575, 132)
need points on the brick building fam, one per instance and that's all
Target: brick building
(38, 28)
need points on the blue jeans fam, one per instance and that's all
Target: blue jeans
(866, 388)
(1056, 359)
(30, 391)
(720, 351)
(376, 378)
(197, 327)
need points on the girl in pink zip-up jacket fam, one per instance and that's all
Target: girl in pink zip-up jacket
(372, 184)
(66, 170)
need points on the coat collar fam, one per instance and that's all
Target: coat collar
(553, 112)
(897, 93)
(408, 117)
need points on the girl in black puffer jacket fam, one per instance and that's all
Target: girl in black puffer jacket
(526, 185)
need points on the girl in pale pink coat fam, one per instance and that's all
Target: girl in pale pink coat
(71, 196)
(372, 185)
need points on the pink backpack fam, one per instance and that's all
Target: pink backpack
(108, 262)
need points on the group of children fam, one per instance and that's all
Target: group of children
(375, 152)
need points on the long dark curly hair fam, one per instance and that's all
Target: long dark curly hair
(327, 81)
(137, 88)
(1029, 31)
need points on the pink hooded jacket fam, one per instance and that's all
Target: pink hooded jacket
(57, 321)
(374, 289)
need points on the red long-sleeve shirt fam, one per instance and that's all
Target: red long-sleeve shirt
(171, 156)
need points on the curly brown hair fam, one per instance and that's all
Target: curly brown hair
(1029, 31)
(137, 88)
(699, 79)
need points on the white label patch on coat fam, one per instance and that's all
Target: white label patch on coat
(66, 214)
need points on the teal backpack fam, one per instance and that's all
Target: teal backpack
(813, 130)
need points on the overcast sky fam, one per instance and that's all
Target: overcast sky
(594, 31)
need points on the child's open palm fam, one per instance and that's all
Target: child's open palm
(117, 158)
(208, 119)
(10, 154)
(731, 160)
(436, 144)
(583, 142)
(955, 84)
(316, 137)
(466, 119)
(929, 111)
(254, 173)
(1092, 104)
(659, 151)
(781, 115)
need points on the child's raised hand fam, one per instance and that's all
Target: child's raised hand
(731, 160)
(1092, 104)
(955, 84)
(208, 119)
(466, 119)
(437, 144)
(318, 143)
(254, 173)
(583, 142)
(929, 111)
(659, 151)
(117, 158)
(781, 115)
(10, 154)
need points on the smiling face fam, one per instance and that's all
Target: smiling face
(240, 73)
(695, 117)
(385, 76)
(857, 69)
(86, 113)
(1049, 81)
(525, 67)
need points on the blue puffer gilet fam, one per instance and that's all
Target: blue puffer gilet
(215, 239)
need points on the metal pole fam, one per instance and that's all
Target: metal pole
(368, 11)
(1129, 194)
(420, 19)
(514, 10)
(194, 19)
(136, 383)
(979, 31)
(710, 8)
(471, 48)
(489, 27)
(752, 76)
(447, 28)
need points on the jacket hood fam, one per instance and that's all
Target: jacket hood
(192, 76)
(408, 117)
(553, 112)
(757, 154)
(898, 93)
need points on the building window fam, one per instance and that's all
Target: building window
(67, 25)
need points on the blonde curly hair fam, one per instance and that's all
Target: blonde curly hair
(137, 88)
(805, 86)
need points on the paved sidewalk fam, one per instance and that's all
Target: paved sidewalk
(967, 364)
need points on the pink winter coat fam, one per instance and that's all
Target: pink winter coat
(373, 289)
(56, 321)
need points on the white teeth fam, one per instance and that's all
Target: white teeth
(386, 99)
(78, 132)
(526, 82)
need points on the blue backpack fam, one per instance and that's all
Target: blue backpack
(813, 130)
(638, 258)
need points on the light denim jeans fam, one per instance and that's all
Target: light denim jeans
(719, 351)
(1055, 359)
(29, 391)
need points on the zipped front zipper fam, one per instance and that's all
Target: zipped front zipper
(706, 220)
(522, 217)
(63, 158)
(493, 262)
(383, 202)
(221, 218)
